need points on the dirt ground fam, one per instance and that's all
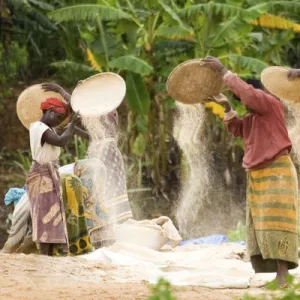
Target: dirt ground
(35, 277)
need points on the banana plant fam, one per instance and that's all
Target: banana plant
(137, 30)
(224, 26)
(145, 40)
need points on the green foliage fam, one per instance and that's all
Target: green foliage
(41, 4)
(233, 28)
(22, 161)
(17, 163)
(72, 66)
(167, 48)
(137, 94)
(30, 5)
(70, 72)
(290, 293)
(13, 58)
(174, 32)
(167, 8)
(238, 233)
(162, 291)
(81, 146)
(141, 123)
(219, 8)
(239, 107)
(68, 156)
(139, 145)
(132, 64)
(239, 142)
(248, 63)
(88, 12)
(143, 41)
(34, 12)
(282, 6)
(44, 43)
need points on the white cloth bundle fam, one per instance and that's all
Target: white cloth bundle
(153, 234)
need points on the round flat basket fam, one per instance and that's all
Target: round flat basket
(99, 94)
(275, 81)
(29, 104)
(192, 83)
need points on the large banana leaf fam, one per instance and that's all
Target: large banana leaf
(137, 95)
(174, 32)
(174, 16)
(42, 20)
(70, 72)
(219, 8)
(278, 6)
(86, 12)
(229, 31)
(70, 65)
(20, 5)
(42, 5)
(275, 48)
(248, 63)
(166, 45)
(168, 48)
(133, 64)
(33, 16)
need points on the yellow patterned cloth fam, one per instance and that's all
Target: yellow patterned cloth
(92, 173)
(77, 229)
(272, 216)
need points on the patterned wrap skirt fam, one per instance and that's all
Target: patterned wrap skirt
(272, 216)
(47, 210)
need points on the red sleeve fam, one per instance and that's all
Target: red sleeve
(252, 98)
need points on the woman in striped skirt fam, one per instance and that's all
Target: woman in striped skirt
(272, 240)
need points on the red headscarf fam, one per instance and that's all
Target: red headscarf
(55, 104)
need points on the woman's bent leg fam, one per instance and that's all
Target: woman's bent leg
(44, 249)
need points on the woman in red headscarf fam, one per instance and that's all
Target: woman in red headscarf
(43, 181)
(106, 200)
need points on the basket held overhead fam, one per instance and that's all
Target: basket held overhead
(192, 83)
(99, 94)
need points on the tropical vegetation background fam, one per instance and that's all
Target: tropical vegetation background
(68, 40)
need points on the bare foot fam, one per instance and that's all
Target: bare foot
(282, 284)
(277, 283)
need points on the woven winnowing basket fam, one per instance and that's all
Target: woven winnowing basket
(99, 94)
(29, 103)
(192, 83)
(275, 81)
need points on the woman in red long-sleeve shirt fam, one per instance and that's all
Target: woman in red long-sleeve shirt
(272, 240)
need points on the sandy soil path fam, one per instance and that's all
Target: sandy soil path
(35, 277)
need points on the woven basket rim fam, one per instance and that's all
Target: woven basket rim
(199, 60)
(24, 110)
(121, 86)
(286, 90)
(191, 82)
